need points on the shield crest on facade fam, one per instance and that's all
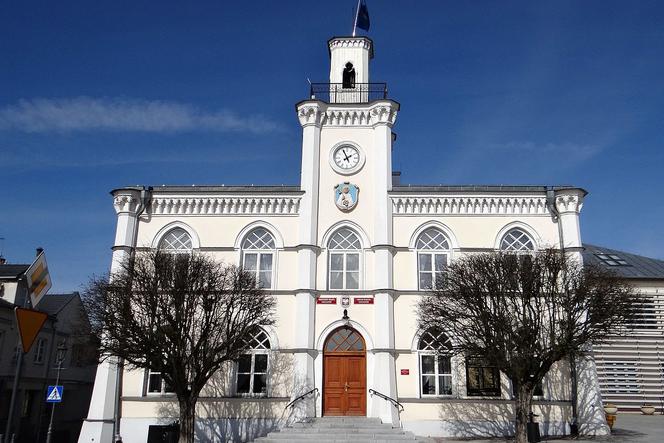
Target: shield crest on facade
(345, 196)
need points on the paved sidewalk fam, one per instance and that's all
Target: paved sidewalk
(632, 428)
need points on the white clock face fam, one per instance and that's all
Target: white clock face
(346, 157)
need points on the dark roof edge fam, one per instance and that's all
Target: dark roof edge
(260, 189)
(483, 188)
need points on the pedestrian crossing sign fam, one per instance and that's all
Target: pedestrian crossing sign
(54, 394)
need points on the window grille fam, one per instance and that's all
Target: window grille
(344, 266)
(345, 339)
(252, 366)
(516, 240)
(434, 348)
(431, 260)
(176, 240)
(258, 256)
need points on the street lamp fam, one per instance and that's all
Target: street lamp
(59, 358)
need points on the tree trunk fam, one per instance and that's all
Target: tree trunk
(524, 401)
(187, 417)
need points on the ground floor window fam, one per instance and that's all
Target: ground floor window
(482, 379)
(157, 384)
(252, 366)
(434, 349)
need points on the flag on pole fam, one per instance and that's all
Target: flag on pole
(39, 280)
(362, 19)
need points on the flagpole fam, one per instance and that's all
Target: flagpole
(357, 11)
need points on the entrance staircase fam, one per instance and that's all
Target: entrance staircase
(341, 429)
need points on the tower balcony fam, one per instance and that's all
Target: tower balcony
(344, 93)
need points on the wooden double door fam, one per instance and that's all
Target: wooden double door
(344, 373)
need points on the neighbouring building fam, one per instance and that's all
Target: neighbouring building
(631, 366)
(67, 326)
(349, 239)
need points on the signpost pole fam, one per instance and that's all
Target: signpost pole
(12, 402)
(37, 283)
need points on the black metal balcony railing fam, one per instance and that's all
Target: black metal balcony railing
(336, 93)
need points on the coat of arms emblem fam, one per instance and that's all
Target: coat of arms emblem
(345, 195)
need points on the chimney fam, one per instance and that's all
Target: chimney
(396, 178)
(39, 251)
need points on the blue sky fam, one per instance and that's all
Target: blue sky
(99, 95)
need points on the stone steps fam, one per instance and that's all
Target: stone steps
(341, 429)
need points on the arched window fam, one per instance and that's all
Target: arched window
(348, 76)
(345, 339)
(176, 240)
(344, 266)
(258, 256)
(516, 240)
(252, 366)
(434, 350)
(432, 256)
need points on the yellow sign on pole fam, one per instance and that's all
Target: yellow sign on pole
(29, 324)
(38, 278)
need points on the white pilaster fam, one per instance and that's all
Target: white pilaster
(98, 426)
(591, 417)
(569, 203)
(309, 115)
(384, 373)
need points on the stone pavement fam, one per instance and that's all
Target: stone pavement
(632, 428)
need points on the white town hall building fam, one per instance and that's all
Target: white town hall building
(350, 239)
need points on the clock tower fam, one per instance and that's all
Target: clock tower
(346, 176)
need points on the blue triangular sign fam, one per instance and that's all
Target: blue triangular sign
(54, 394)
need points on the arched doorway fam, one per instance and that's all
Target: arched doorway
(344, 373)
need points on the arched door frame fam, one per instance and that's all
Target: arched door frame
(318, 362)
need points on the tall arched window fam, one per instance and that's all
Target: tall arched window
(432, 256)
(516, 240)
(434, 349)
(258, 256)
(344, 266)
(252, 366)
(176, 240)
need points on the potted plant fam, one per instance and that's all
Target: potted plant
(610, 411)
(647, 409)
(610, 408)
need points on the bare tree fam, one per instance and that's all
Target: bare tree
(523, 313)
(183, 315)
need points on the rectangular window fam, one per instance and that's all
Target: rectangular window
(40, 351)
(436, 373)
(157, 384)
(430, 267)
(481, 379)
(252, 374)
(344, 270)
(259, 264)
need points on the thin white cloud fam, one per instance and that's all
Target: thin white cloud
(42, 115)
(577, 152)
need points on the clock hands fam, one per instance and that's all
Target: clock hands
(346, 155)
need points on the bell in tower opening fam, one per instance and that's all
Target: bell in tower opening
(348, 76)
